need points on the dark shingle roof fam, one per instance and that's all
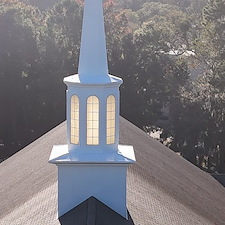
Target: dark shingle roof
(162, 188)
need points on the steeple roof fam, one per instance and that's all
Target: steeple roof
(93, 66)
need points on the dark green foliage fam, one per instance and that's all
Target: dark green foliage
(34, 58)
(18, 60)
(198, 122)
(64, 30)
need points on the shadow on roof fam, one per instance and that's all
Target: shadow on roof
(93, 212)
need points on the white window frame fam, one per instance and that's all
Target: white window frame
(74, 120)
(92, 120)
(110, 119)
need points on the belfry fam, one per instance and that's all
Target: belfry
(92, 163)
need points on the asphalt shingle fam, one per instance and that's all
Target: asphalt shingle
(162, 187)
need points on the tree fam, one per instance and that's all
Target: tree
(64, 30)
(214, 31)
(18, 61)
(203, 99)
(151, 77)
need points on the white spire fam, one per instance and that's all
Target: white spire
(92, 155)
(93, 66)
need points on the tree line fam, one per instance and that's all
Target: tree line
(170, 54)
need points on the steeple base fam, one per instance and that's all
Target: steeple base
(104, 179)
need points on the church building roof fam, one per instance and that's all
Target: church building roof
(162, 187)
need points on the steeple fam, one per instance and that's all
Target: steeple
(92, 163)
(93, 66)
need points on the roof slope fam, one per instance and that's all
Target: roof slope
(162, 188)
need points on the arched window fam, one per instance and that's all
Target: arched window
(74, 120)
(110, 117)
(92, 120)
